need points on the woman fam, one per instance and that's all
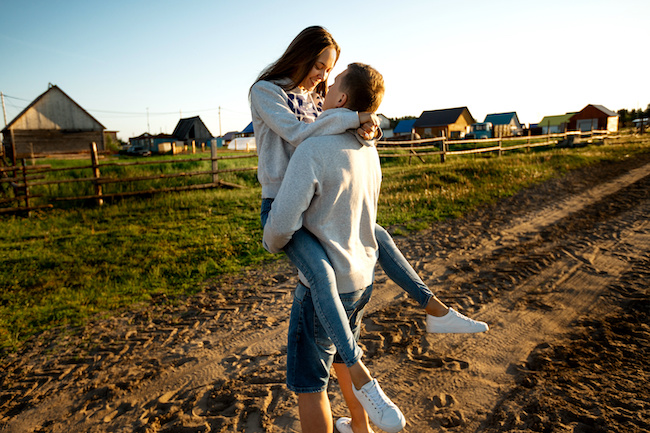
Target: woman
(286, 104)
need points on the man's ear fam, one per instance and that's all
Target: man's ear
(343, 99)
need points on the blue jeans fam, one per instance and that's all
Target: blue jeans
(307, 254)
(310, 351)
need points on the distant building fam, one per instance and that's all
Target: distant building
(451, 123)
(52, 124)
(404, 128)
(160, 144)
(384, 124)
(244, 140)
(504, 124)
(246, 132)
(555, 124)
(594, 117)
(193, 131)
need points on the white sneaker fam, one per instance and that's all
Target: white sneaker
(454, 323)
(381, 411)
(344, 425)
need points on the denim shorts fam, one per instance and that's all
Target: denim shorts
(310, 352)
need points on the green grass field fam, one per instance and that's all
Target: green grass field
(62, 266)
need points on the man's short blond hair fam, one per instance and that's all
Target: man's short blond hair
(364, 87)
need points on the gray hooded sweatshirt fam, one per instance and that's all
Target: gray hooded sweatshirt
(331, 188)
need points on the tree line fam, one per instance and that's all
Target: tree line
(627, 116)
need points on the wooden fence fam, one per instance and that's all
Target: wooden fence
(16, 182)
(443, 147)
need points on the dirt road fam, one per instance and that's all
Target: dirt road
(560, 272)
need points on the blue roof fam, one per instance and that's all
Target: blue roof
(500, 118)
(404, 126)
(248, 129)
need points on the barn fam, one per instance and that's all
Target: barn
(451, 123)
(52, 124)
(594, 117)
(193, 130)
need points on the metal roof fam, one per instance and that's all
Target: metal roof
(607, 111)
(248, 129)
(439, 117)
(556, 120)
(192, 127)
(51, 88)
(404, 126)
(501, 118)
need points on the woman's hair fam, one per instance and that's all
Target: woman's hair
(300, 57)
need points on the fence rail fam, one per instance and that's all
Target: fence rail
(17, 181)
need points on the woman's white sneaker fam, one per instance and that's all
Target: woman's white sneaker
(454, 323)
(380, 409)
(344, 425)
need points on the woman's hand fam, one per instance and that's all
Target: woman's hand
(369, 125)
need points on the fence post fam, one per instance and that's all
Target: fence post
(443, 148)
(215, 164)
(95, 161)
(29, 214)
(500, 146)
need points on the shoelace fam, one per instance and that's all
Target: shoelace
(464, 317)
(378, 398)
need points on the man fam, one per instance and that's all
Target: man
(331, 188)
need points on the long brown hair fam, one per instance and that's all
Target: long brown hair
(300, 57)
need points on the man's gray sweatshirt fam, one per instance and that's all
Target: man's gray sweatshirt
(331, 188)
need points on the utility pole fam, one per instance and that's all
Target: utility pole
(4, 111)
(148, 119)
(220, 134)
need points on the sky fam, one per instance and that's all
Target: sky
(139, 66)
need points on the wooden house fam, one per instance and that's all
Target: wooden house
(504, 124)
(52, 124)
(594, 117)
(192, 131)
(451, 123)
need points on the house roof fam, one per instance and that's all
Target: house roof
(439, 117)
(184, 128)
(248, 129)
(501, 118)
(52, 88)
(607, 111)
(556, 120)
(404, 126)
(229, 135)
(147, 135)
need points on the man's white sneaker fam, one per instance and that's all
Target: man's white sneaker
(344, 425)
(381, 411)
(454, 323)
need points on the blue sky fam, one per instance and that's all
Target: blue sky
(141, 65)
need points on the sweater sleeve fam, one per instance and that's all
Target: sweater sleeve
(269, 102)
(300, 185)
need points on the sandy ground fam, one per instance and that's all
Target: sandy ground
(560, 272)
